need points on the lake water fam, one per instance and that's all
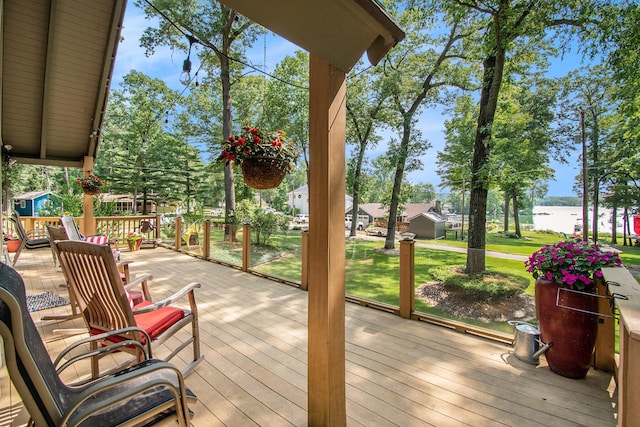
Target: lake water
(564, 218)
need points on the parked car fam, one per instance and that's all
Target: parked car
(347, 224)
(301, 219)
(376, 231)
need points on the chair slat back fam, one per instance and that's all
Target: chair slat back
(93, 276)
(71, 228)
(19, 228)
(56, 233)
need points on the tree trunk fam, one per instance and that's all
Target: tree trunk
(505, 228)
(229, 185)
(493, 68)
(614, 225)
(389, 242)
(516, 218)
(356, 191)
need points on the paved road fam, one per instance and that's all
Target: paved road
(436, 246)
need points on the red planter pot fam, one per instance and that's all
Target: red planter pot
(572, 333)
(13, 245)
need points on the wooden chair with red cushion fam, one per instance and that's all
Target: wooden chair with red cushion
(92, 275)
(73, 233)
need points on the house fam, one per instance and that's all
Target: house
(370, 213)
(411, 210)
(298, 200)
(29, 204)
(428, 225)
(124, 202)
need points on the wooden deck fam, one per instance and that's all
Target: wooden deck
(398, 372)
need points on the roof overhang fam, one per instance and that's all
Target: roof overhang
(337, 31)
(57, 58)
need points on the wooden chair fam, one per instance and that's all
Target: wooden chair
(143, 394)
(146, 228)
(73, 233)
(59, 233)
(27, 240)
(92, 275)
(56, 233)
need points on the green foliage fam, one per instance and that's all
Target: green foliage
(507, 234)
(264, 225)
(483, 286)
(559, 201)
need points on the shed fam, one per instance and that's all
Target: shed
(29, 204)
(428, 225)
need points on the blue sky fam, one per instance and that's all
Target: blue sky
(167, 66)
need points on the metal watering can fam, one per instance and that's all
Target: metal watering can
(527, 344)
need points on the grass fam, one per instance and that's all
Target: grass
(373, 275)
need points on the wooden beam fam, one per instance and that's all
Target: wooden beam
(407, 278)
(113, 40)
(327, 131)
(87, 200)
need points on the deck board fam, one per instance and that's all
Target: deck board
(398, 371)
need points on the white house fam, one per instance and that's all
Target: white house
(298, 199)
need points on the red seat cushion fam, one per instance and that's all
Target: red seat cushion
(154, 322)
(98, 240)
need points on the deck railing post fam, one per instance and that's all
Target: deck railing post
(604, 354)
(206, 244)
(628, 375)
(407, 278)
(157, 227)
(178, 239)
(304, 274)
(246, 247)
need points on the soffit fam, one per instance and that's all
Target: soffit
(57, 60)
(337, 31)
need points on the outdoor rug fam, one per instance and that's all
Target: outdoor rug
(45, 300)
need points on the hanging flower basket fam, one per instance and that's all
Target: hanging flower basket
(266, 157)
(263, 173)
(90, 184)
(91, 191)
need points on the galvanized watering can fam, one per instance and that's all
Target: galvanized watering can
(527, 344)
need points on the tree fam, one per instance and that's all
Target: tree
(220, 30)
(454, 161)
(587, 101)
(138, 155)
(419, 70)
(367, 93)
(508, 30)
(522, 141)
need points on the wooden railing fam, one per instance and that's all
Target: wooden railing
(112, 226)
(625, 291)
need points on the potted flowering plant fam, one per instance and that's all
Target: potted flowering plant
(571, 264)
(12, 241)
(90, 184)
(265, 157)
(134, 240)
(566, 274)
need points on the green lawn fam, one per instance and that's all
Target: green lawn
(375, 276)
